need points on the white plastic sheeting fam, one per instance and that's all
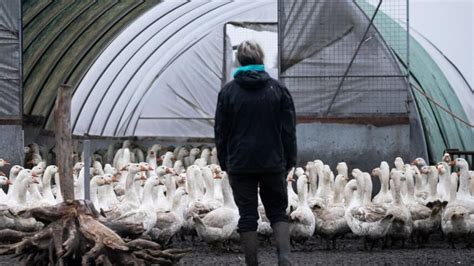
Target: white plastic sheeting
(10, 68)
(161, 75)
(313, 72)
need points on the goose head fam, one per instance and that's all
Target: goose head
(376, 172)
(78, 166)
(30, 176)
(299, 172)
(132, 167)
(97, 168)
(101, 180)
(52, 169)
(399, 164)
(126, 144)
(156, 147)
(145, 167)
(4, 162)
(356, 172)
(163, 170)
(349, 190)
(194, 151)
(181, 180)
(446, 158)
(110, 178)
(461, 163)
(38, 170)
(441, 168)
(341, 168)
(340, 183)
(4, 181)
(425, 170)
(419, 162)
(15, 170)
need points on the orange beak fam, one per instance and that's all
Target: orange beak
(33, 174)
(143, 177)
(150, 168)
(6, 162)
(124, 168)
(452, 163)
(107, 182)
(115, 178)
(35, 181)
(413, 162)
(170, 171)
(9, 182)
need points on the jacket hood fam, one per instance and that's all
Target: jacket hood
(252, 79)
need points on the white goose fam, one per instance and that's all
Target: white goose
(455, 219)
(4, 181)
(95, 183)
(14, 172)
(383, 173)
(432, 177)
(464, 195)
(402, 224)
(106, 195)
(330, 220)
(145, 213)
(18, 200)
(168, 224)
(364, 218)
(213, 158)
(48, 197)
(219, 224)
(208, 198)
(292, 196)
(130, 200)
(443, 185)
(302, 222)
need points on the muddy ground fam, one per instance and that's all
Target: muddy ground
(348, 252)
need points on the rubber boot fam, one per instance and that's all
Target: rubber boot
(249, 243)
(281, 232)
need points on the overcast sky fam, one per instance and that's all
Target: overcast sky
(449, 24)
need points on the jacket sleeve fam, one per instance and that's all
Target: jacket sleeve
(288, 133)
(221, 130)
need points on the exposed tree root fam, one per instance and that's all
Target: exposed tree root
(73, 234)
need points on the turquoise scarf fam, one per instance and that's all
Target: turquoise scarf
(258, 68)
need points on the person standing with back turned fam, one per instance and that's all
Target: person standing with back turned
(255, 134)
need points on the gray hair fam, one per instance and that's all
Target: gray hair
(250, 53)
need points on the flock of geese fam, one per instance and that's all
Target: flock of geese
(182, 191)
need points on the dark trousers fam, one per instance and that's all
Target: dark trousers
(273, 193)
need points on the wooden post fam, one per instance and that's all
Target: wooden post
(63, 135)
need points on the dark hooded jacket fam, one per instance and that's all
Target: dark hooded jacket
(255, 127)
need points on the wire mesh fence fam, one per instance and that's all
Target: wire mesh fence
(336, 61)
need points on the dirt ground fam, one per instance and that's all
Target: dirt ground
(348, 252)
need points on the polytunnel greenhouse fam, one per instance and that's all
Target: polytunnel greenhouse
(154, 68)
(366, 86)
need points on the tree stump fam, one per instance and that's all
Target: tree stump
(73, 235)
